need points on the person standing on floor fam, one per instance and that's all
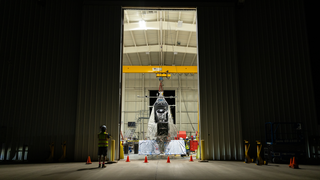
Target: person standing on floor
(187, 143)
(103, 145)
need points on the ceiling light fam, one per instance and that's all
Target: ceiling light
(147, 52)
(175, 53)
(142, 24)
(180, 23)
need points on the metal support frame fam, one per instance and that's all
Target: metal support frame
(160, 69)
(259, 160)
(247, 158)
(154, 25)
(180, 103)
(155, 48)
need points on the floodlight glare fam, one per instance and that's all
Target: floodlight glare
(142, 24)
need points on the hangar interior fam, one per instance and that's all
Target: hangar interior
(157, 38)
(135, 107)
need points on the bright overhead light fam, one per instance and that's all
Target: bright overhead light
(142, 24)
(175, 53)
(180, 23)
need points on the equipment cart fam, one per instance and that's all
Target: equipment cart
(284, 140)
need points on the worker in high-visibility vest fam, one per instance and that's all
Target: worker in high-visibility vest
(187, 146)
(103, 145)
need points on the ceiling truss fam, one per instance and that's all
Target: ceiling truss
(166, 27)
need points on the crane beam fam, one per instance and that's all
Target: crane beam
(160, 69)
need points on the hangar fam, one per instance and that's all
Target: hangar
(62, 64)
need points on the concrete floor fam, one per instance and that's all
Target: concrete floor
(158, 169)
(157, 157)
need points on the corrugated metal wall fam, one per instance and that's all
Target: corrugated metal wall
(99, 78)
(221, 126)
(255, 56)
(274, 67)
(311, 16)
(39, 52)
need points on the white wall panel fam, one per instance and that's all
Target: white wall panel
(140, 84)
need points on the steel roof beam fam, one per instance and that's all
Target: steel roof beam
(146, 38)
(194, 57)
(194, 17)
(139, 58)
(175, 43)
(129, 59)
(189, 39)
(184, 56)
(154, 25)
(133, 39)
(155, 48)
(128, 21)
(149, 58)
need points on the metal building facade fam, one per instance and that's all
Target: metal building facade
(99, 76)
(56, 85)
(39, 57)
(275, 80)
(220, 117)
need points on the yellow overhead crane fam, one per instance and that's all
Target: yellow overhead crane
(161, 71)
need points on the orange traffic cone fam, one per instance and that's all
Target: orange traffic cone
(127, 159)
(168, 160)
(89, 160)
(145, 159)
(294, 163)
(290, 162)
(191, 159)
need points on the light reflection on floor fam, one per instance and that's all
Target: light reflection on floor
(133, 156)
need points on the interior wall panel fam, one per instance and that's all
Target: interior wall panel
(39, 52)
(140, 84)
(221, 127)
(99, 79)
(274, 67)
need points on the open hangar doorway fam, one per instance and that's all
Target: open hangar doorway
(102, 57)
(159, 55)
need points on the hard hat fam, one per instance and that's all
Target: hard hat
(103, 127)
(186, 137)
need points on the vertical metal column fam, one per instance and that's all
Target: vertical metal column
(180, 97)
(123, 102)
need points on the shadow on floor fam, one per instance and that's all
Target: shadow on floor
(66, 172)
(85, 169)
(63, 172)
(93, 168)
